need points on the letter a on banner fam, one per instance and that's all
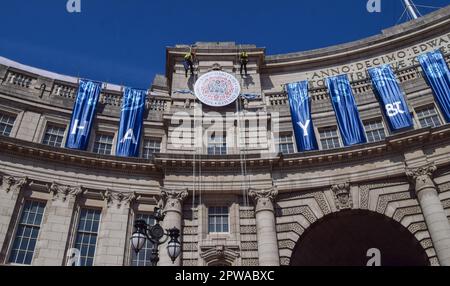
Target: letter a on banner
(300, 104)
(131, 120)
(83, 115)
(392, 97)
(437, 75)
(344, 106)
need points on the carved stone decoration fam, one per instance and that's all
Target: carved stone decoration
(14, 184)
(63, 192)
(220, 255)
(264, 199)
(342, 196)
(172, 200)
(422, 177)
(118, 199)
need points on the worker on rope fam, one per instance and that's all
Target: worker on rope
(243, 58)
(189, 62)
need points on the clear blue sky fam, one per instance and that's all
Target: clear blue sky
(123, 41)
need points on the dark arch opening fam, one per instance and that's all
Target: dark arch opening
(343, 239)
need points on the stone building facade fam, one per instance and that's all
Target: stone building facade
(237, 203)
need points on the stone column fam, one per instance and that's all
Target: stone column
(173, 211)
(9, 193)
(265, 227)
(112, 239)
(55, 227)
(433, 211)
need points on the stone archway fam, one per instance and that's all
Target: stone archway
(344, 238)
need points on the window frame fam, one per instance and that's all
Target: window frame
(156, 139)
(278, 143)
(216, 146)
(74, 230)
(372, 120)
(17, 223)
(101, 133)
(130, 247)
(215, 225)
(11, 115)
(57, 125)
(418, 109)
(338, 136)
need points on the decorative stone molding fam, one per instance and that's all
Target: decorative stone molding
(63, 192)
(422, 177)
(264, 199)
(385, 199)
(172, 200)
(220, 254)
(118, 199)
(342, 196)
(14, 184)
(444, 187)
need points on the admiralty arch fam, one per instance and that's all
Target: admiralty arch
(247, 196)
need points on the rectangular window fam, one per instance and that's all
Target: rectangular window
(217, 145)
(218, 219)
(103, 144)
(329, 138)
(87, 232)
(428, 117)
(375, 131)
(285, 144)
(6, 124)
(54, 136)
(151, 146)
(143, 258)
(27, 233)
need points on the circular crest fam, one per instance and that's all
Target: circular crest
(217, 89)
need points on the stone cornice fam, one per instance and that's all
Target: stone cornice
(393, 36)
(395, 144)
(67, 156)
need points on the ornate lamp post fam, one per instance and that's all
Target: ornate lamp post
(156, 235)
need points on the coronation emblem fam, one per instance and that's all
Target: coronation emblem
(217, 89)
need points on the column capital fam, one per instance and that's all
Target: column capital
(118, 199)
(173, 199)
(422, 177)
(264, 199)
(14, 184)
(62, 192)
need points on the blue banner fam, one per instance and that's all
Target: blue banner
(392, 97)
(300, 104)
(437, 75)
(347, 115)
(131, 121)
(83, 114)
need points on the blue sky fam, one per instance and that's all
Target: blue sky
(123, 41)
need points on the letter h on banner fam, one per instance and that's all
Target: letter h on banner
(83, 114)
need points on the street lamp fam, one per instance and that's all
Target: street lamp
(156, 234)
